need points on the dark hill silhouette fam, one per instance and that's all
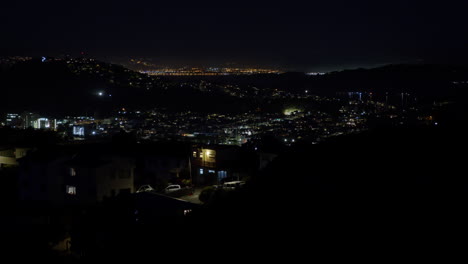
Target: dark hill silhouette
(46, 87)
(363, 194)
(380, 187)
(53, 87)
(424, 80)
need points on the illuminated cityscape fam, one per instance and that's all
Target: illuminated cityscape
(146, 130)
(299, 115)
(209, 71)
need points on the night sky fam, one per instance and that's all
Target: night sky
(317, 35)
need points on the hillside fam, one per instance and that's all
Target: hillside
(424, 80)
(86, 86)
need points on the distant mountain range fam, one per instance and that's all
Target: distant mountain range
(422, 79)
(86, 86)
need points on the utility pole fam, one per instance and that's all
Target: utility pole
(190, 170)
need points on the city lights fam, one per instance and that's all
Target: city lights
(208, 71)
(146, 130)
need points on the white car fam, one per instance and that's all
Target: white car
(145, 188)
(233, 185)
(172, 188)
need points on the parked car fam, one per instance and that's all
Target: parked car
(172, 188)
(233, 185)
(145, 188)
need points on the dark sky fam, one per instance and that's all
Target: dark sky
(316, 35)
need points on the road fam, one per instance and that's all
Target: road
(194, 197)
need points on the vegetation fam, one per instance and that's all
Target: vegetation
(207, 194)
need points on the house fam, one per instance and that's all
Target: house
(81, 174)
(94, 179)
(10, 155)
(216, 164)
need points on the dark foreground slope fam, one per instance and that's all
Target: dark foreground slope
(352, 195)
(364, 195)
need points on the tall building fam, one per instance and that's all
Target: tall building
(45, 123)
(13, 120)
(28, 119)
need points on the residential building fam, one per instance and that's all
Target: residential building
(9, 155)
(75, 175)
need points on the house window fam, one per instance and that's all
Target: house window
(194, 154)
(71, 190)
(201, 171)
(222, 175)
(72, 172)
(211, 171)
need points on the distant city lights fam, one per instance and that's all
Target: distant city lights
(315, 73)
(209, 71)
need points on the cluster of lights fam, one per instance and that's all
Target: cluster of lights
(209, 71)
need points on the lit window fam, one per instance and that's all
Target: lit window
(201, 171)
(194, 154)
(71, 190)
(72, 172)
(222, 174)
(211, 171)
